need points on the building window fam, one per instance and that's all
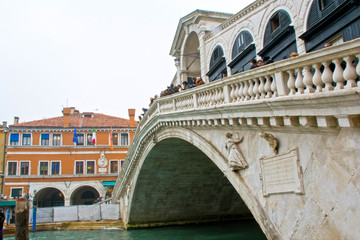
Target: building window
(16, 192)
(80, 138)
(115, 139)
(26, 139)
(44, 168)
(114, 166)
(121, 163)
(56, 141)
(45, 139)
(124, 141)
(55, 168)
(14, 139)
(24, 168)
(89, 139)
(90, 167)
(275, 22)
(12, 167)
(79, 167)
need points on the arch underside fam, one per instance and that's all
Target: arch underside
(178, 183)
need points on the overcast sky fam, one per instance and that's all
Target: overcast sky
(100, 56)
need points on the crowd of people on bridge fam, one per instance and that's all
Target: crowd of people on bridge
(194, 82)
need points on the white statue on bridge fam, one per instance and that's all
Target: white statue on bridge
(236, 159)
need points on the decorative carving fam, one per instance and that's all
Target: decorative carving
(236, 159)
(273, 143)
(102, 161)
(281, 174)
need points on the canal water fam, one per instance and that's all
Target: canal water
(215, 231)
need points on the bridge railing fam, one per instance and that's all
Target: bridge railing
(327, 71)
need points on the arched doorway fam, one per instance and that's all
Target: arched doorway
(279, 38)
(243, 52)
(49, 197)
(85, 195)
(217, 65)
(191, 58)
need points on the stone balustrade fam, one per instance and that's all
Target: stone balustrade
(325, 71)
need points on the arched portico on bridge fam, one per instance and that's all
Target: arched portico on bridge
(181, 177)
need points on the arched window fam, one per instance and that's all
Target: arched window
(332, 21)
(279, 37)
(217, 65)
(242, 53)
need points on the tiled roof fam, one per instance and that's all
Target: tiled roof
(77, 120)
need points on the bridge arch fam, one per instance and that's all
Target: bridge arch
(180, 166)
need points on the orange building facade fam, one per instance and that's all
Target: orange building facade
(55, 162)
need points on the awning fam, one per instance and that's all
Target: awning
(109, 183)
(7, 203)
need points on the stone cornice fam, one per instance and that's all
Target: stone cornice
(247, 10)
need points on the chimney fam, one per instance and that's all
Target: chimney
(16, 120)
(131, 117)
(67, 112)
(4, 124)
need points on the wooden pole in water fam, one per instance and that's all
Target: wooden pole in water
(21, 220)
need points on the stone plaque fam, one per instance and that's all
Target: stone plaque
(281, 174)
(102, 170)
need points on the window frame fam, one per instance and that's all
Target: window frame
(59, 162)
(16, 168)
(122, 161)
(41, 139)
(127, 139)
(39, 168)
(17, 142)
(87, 162)
(89, 140)
(59, 140)
(29, 168)
(75, 167)
(22, 139)
(83, 139)
(117, 138)
(13, 188)
(110, 167)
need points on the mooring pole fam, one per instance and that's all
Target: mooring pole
(21, 220)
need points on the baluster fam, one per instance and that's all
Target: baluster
(241, 89)
(299, 84)
(338, 74)
(308, 80)
(232, 92)
(350, 72)
(237, 94)
(256, 88)
(200, 99)
(317, 78)
(274, 87)
(209, 99)
(262, 87)
(326, 76)
(251, 89)
(217, 96)
(213, 97)
(291, 82)
(222, 96)
(246, 91)
(268, 87)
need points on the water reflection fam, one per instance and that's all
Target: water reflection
(225, 231)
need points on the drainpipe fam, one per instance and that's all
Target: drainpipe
(4, 160)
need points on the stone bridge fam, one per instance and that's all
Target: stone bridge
(279, 144)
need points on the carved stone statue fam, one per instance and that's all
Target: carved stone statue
(273, 143)
(236, 159)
